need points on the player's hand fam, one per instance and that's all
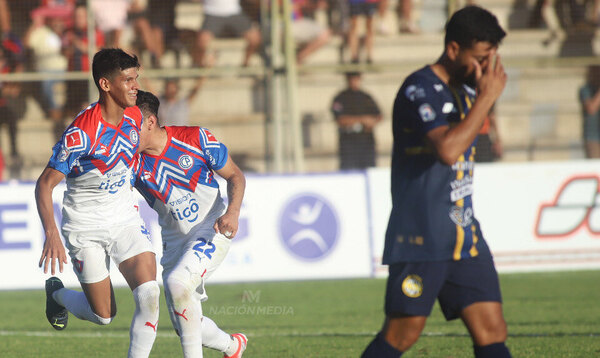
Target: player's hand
(492, 78)
(53, 250)
(227, 224)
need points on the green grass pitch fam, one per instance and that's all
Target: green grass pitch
(548, 315)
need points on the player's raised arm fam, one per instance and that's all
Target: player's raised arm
(450, 142)
(236, 185)
(53, 246)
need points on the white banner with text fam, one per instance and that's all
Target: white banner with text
(534, 216)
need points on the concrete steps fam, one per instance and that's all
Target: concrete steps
(232, 106)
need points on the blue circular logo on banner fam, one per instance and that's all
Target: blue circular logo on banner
(309, 227)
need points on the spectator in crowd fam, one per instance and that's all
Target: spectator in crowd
(358, 8)
(44, 39)
(382, 9)
(544, 10)
(338, 20)
(367, 9)
(162, 21)
(111, 19)
(407, 23)
(12, 102)
(75, 49)
(309, 35)
(5, 25)
(595, 13)
(589, 96)
(223, 18)
(62, 9)
(151, 38)
(356, 114)
(488, 147)
(1, 165)
(174, 110)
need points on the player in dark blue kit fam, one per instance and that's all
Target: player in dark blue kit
(434, 246)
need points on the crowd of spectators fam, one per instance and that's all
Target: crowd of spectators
(51, 36)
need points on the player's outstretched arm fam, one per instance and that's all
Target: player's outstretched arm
(53, 246)
(236, 185)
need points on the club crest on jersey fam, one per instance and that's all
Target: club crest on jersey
(427, 113)
(74, 139)
(133, 136)
(185, 161)
(412, 286)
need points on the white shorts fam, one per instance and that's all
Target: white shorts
(193, 261)
(306, 30)
(90, 250)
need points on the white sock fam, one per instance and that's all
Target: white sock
(76, 303)
(187, 312)
(215, 338)
(142, 332)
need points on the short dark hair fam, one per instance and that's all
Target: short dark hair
(473, 24)
(147, 103)
(108, 61)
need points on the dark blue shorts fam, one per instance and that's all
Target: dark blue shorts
(363, 8)
(412, 287)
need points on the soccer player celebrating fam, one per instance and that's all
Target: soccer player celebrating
(100, 215)
(176, 177)
(434, 246)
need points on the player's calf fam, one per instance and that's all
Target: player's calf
(185, 311)
(145, 319)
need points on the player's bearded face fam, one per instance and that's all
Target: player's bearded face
(467, 71)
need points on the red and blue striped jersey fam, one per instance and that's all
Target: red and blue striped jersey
(97, 158)
(179, 183)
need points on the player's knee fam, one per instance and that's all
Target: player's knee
(179, 290)
(404, 333)
(500, 331)
(402, 342)
(147, 295)
(493, 332)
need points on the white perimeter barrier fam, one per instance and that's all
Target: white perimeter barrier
(535, 216)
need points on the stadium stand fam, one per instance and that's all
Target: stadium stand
(538, 115)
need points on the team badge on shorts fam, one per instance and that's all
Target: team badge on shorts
(412, 286)
(78, 265)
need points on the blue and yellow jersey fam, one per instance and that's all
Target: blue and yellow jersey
(432, 211)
